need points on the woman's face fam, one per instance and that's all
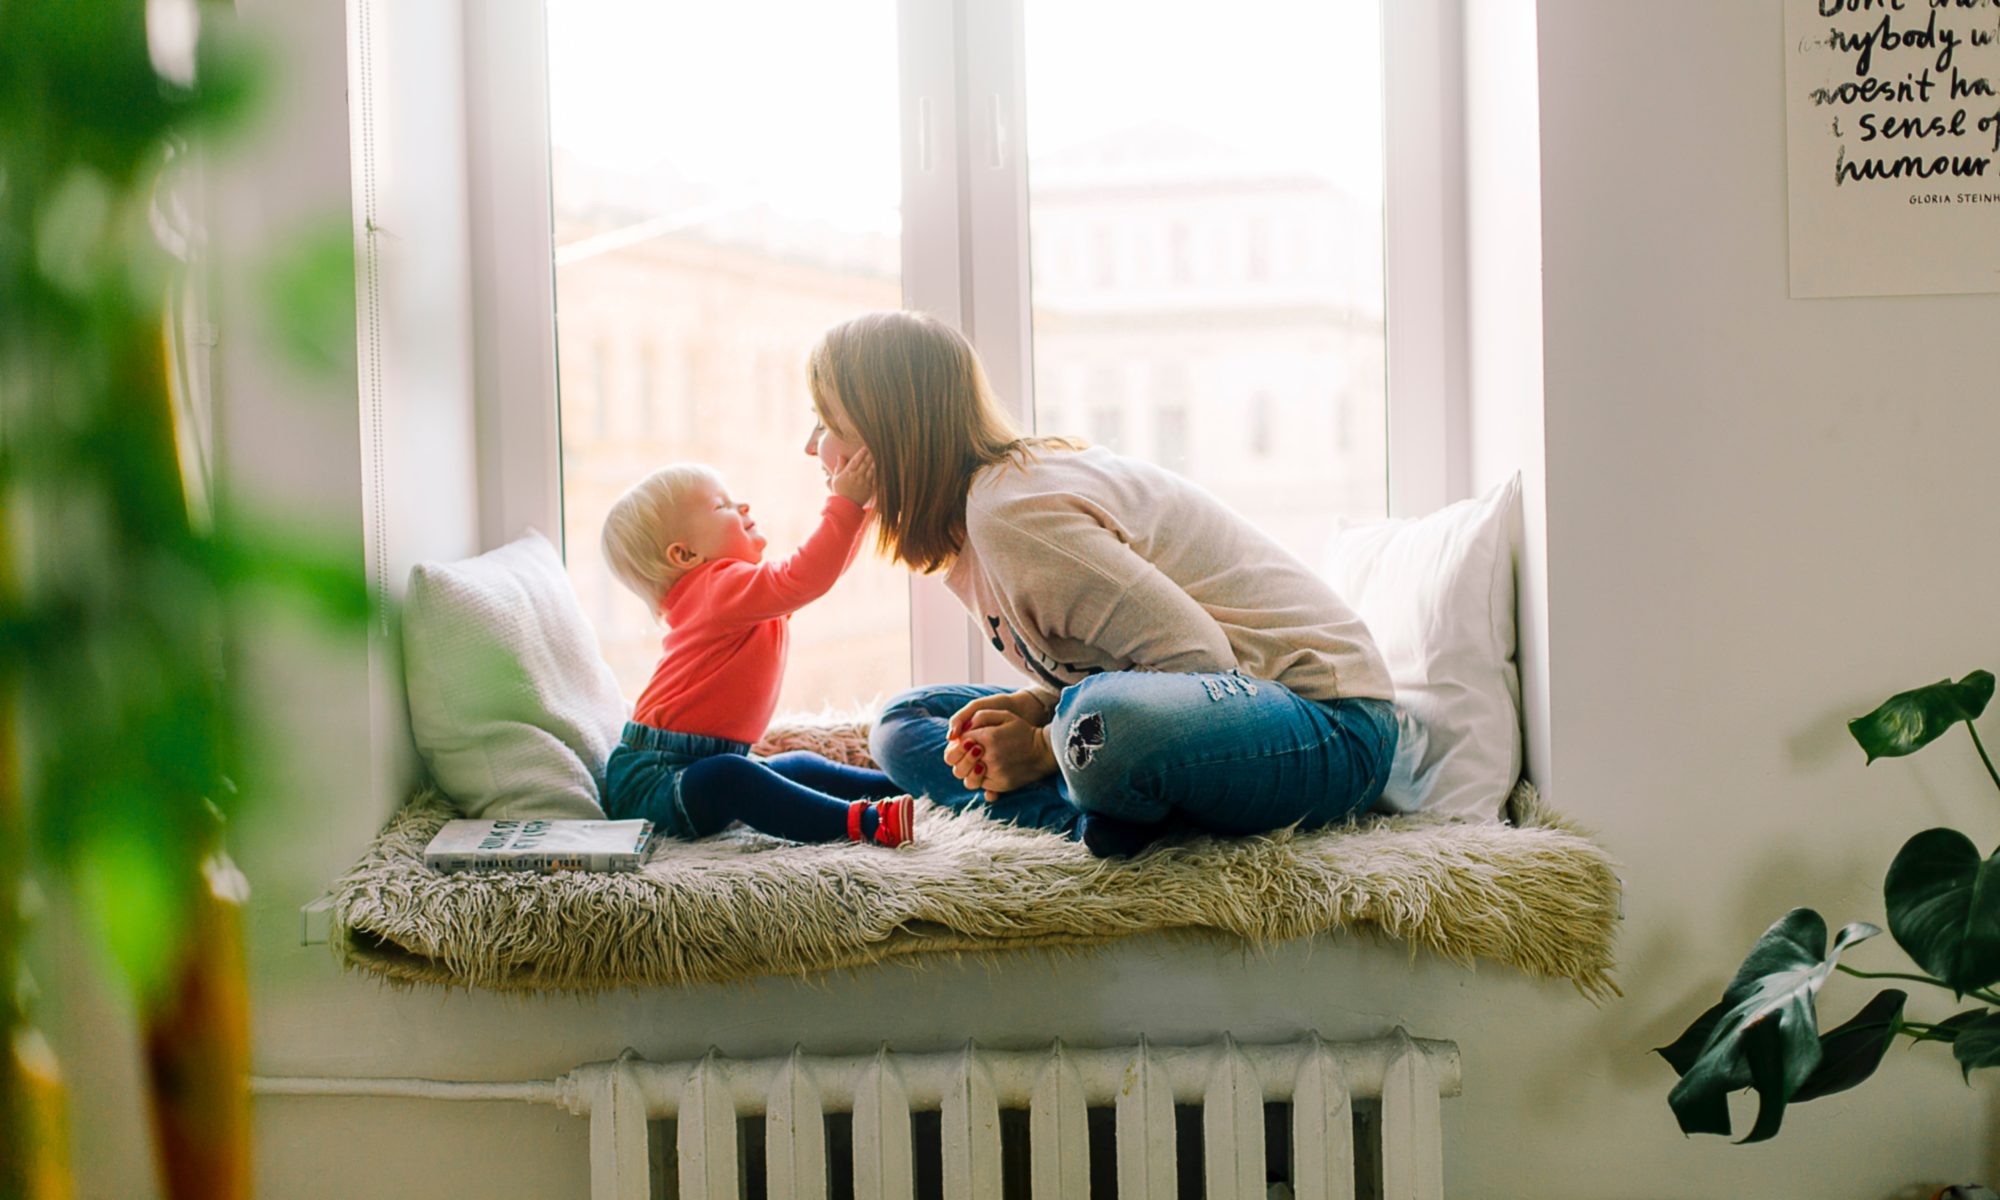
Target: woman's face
(832, 441)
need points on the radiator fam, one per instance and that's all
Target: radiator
(1400, 1079)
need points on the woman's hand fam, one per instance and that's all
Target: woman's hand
(1029, 706)
(855, 479)
(1001, 743)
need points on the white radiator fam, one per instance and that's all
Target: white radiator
(969, 1088)
(1399, 1078)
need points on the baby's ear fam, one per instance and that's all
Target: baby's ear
(680, 557)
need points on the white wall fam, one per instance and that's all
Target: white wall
(1744, 497)
(1764, 516)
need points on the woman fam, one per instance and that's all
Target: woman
(1188, 672)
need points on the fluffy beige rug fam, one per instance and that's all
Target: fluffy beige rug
(1540, 897)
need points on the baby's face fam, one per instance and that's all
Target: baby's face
(715, 526)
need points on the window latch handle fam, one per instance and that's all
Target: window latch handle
(999, 130)
(924, 134)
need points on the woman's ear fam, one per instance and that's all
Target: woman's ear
(680, 556)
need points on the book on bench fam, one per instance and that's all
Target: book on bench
(542, 846)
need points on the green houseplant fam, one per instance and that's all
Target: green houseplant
(1943, 905)
(123, 731)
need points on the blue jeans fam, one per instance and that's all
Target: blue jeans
(690, 785)
(1221, 754)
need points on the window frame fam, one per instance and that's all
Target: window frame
(965, 254)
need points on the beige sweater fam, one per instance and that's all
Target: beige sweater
(1089, 561)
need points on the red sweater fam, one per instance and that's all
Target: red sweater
(728, 628)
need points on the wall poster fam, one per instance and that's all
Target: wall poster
(1893, 111)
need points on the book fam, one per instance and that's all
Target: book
(543, 846)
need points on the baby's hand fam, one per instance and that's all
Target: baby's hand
(856, 479)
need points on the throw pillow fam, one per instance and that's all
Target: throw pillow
(1438, 594)
(513, 708)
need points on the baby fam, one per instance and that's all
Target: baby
(694, 556)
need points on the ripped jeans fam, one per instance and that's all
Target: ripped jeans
(1221, 754)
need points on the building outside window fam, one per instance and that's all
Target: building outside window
(648, 397)
(732, 194)
(1170, 440)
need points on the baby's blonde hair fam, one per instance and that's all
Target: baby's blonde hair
(644, 522)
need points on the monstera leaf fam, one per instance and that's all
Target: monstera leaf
(1909, 721)
(1977, 1043)
(1944, 908)
(1948, 1029)
(1851, 1053)
(1764, 1033)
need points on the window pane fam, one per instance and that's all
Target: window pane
(722, 196)
(1207, 247)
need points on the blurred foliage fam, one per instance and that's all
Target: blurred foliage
(308, 294)
(116, 599)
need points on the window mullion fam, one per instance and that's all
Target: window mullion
(993, 118)
(513, 275)
(943, 648)
(996, 178)
(932, 279)
(1424, 249)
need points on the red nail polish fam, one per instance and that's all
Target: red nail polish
(975, 750)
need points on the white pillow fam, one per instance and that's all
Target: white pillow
(1438, 594)
(513, 708)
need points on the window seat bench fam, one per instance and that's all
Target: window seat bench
(1536, 895)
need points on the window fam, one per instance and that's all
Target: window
(600, 389)
(1107, 427)
(1218, 130)
(1170, 400)
(1262, 423)
(1180, 249)
(1104, 254)
(648, 398)
(1171, 447)
(736, 193)
(1213, 229)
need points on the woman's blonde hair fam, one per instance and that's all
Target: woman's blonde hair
(643, 523)
(911, 389)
